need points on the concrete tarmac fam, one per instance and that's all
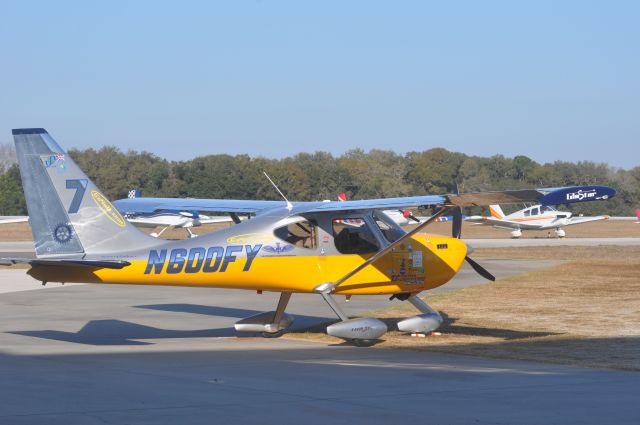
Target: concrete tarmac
(96, 354)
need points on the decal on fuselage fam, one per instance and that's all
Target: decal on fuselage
(198, 259)
(408, 265)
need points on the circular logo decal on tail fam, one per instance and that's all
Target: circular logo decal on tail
(107, 208)
(63, 233)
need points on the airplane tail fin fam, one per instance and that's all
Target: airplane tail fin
(496, 211)
(69, 216)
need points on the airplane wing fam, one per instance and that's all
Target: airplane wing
(218, 219)
(578, 220)
(6, 219)
(150, 205)
(506, 224)
(545, 196)
(175, 220)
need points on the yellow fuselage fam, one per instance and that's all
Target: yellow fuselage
(423, 262)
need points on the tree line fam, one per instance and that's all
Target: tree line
(321, 175)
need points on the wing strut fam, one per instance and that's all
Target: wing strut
(328, 287)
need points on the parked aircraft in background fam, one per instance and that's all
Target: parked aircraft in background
(170, 218)
(166, 219)
(288, 247)
(6, 219)
(536, 217)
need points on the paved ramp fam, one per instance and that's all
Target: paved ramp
(95, 354)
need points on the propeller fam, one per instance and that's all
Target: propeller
(456, 227)
(479, 269)
(456, 232)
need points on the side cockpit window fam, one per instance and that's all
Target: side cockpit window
(302, 234)
(353, 236)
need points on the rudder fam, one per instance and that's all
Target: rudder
(496, 211)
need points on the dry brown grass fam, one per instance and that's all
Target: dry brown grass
(596, 229)
(585, 311)
(14, 232)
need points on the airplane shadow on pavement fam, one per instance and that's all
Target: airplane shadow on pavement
(119, 332)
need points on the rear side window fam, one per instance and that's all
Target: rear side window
(353, 236)
(302, 234)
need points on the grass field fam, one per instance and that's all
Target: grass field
(584, 311)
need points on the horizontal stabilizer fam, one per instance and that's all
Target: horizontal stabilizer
(102, 264)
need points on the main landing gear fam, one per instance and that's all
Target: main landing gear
(424, 323)
(272, 324)
(362, 332)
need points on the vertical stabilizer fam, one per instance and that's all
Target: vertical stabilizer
(496, 211)
(69, 216)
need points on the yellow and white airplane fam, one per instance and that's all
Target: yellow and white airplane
(299, 247)
(536, 217)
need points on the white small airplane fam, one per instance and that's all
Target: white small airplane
(536, 217)
(166, 219)
(6, 219)
(172, 219)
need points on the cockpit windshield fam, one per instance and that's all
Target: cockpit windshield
(389, 228)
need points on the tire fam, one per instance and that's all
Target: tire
(364, 342)
(276, 334)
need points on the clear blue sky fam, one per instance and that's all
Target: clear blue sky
(553, 80)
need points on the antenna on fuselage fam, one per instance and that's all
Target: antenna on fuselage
(289, 206)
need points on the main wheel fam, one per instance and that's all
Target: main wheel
(364, 342)
(276, 334)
